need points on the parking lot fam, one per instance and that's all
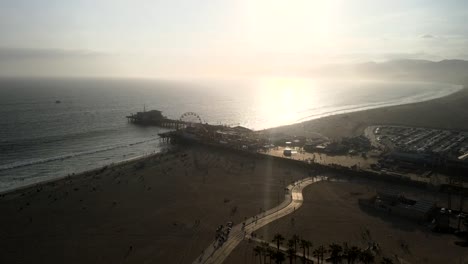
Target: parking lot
(422, 140)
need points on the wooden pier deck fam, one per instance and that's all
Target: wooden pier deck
(155, 118)
(167, 137)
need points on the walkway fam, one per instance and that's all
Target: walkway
(293, 200)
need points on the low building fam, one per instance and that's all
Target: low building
(309, 147)
(153, 117)
(391, 201)
(418, 210)
(411, 157)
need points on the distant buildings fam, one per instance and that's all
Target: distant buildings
(422, 150)
(392, 202)
(153, 117)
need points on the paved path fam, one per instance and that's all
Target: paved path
(293, 200)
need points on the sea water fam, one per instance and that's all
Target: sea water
(50, 128)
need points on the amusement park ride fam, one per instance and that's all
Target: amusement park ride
(190, 127)
(155, 118)
(190, 118)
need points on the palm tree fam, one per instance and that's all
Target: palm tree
(346, 250)
(258, 250)
(279, 257)
(303, 245)
(353, 254)
(278, 238)
(296, 239)
(335, 252)
(270, 252)
(291, 254)
(291, 243)
(308, 246)
(265, 247)
(366, 257)
(318, 253)
(350, 253)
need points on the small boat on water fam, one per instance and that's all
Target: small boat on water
(58, 102)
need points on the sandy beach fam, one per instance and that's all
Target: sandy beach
(160, 132)
(162, 209)
(165, 208)
(448, 112)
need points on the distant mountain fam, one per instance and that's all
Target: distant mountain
(453, 71)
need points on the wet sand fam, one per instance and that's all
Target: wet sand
(450, 112)
(163, 209)
(331, 213)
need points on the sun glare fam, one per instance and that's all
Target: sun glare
(280, 99)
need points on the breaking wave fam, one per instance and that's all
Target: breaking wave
(70, 155)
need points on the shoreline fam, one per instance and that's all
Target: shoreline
(448, 112)
(137, 213)
(144, 211)
(151, 208)
(287, 128)
(359, 108)
(348, 109)
(170, 149)
(81, 174)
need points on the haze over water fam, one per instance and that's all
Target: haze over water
(41, 139)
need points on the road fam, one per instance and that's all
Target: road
(293, 200)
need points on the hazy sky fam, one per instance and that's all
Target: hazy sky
(182, 37)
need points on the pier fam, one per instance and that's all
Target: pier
(155, 118)
(167, 137)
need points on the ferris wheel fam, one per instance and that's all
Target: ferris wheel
(191, 118)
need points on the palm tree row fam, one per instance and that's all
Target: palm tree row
(264, 251)
(335, 253)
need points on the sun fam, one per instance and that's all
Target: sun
(281, 99)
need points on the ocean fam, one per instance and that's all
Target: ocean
(41, 139)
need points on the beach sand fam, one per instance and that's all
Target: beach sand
(331, 213)
(163, 209)
(450, 112)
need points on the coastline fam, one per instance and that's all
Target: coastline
(162, 207)
(448, 112)
(114, 165)
(294, 131)
(357, 108)
(165, 207)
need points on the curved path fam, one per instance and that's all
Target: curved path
(293, 200)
